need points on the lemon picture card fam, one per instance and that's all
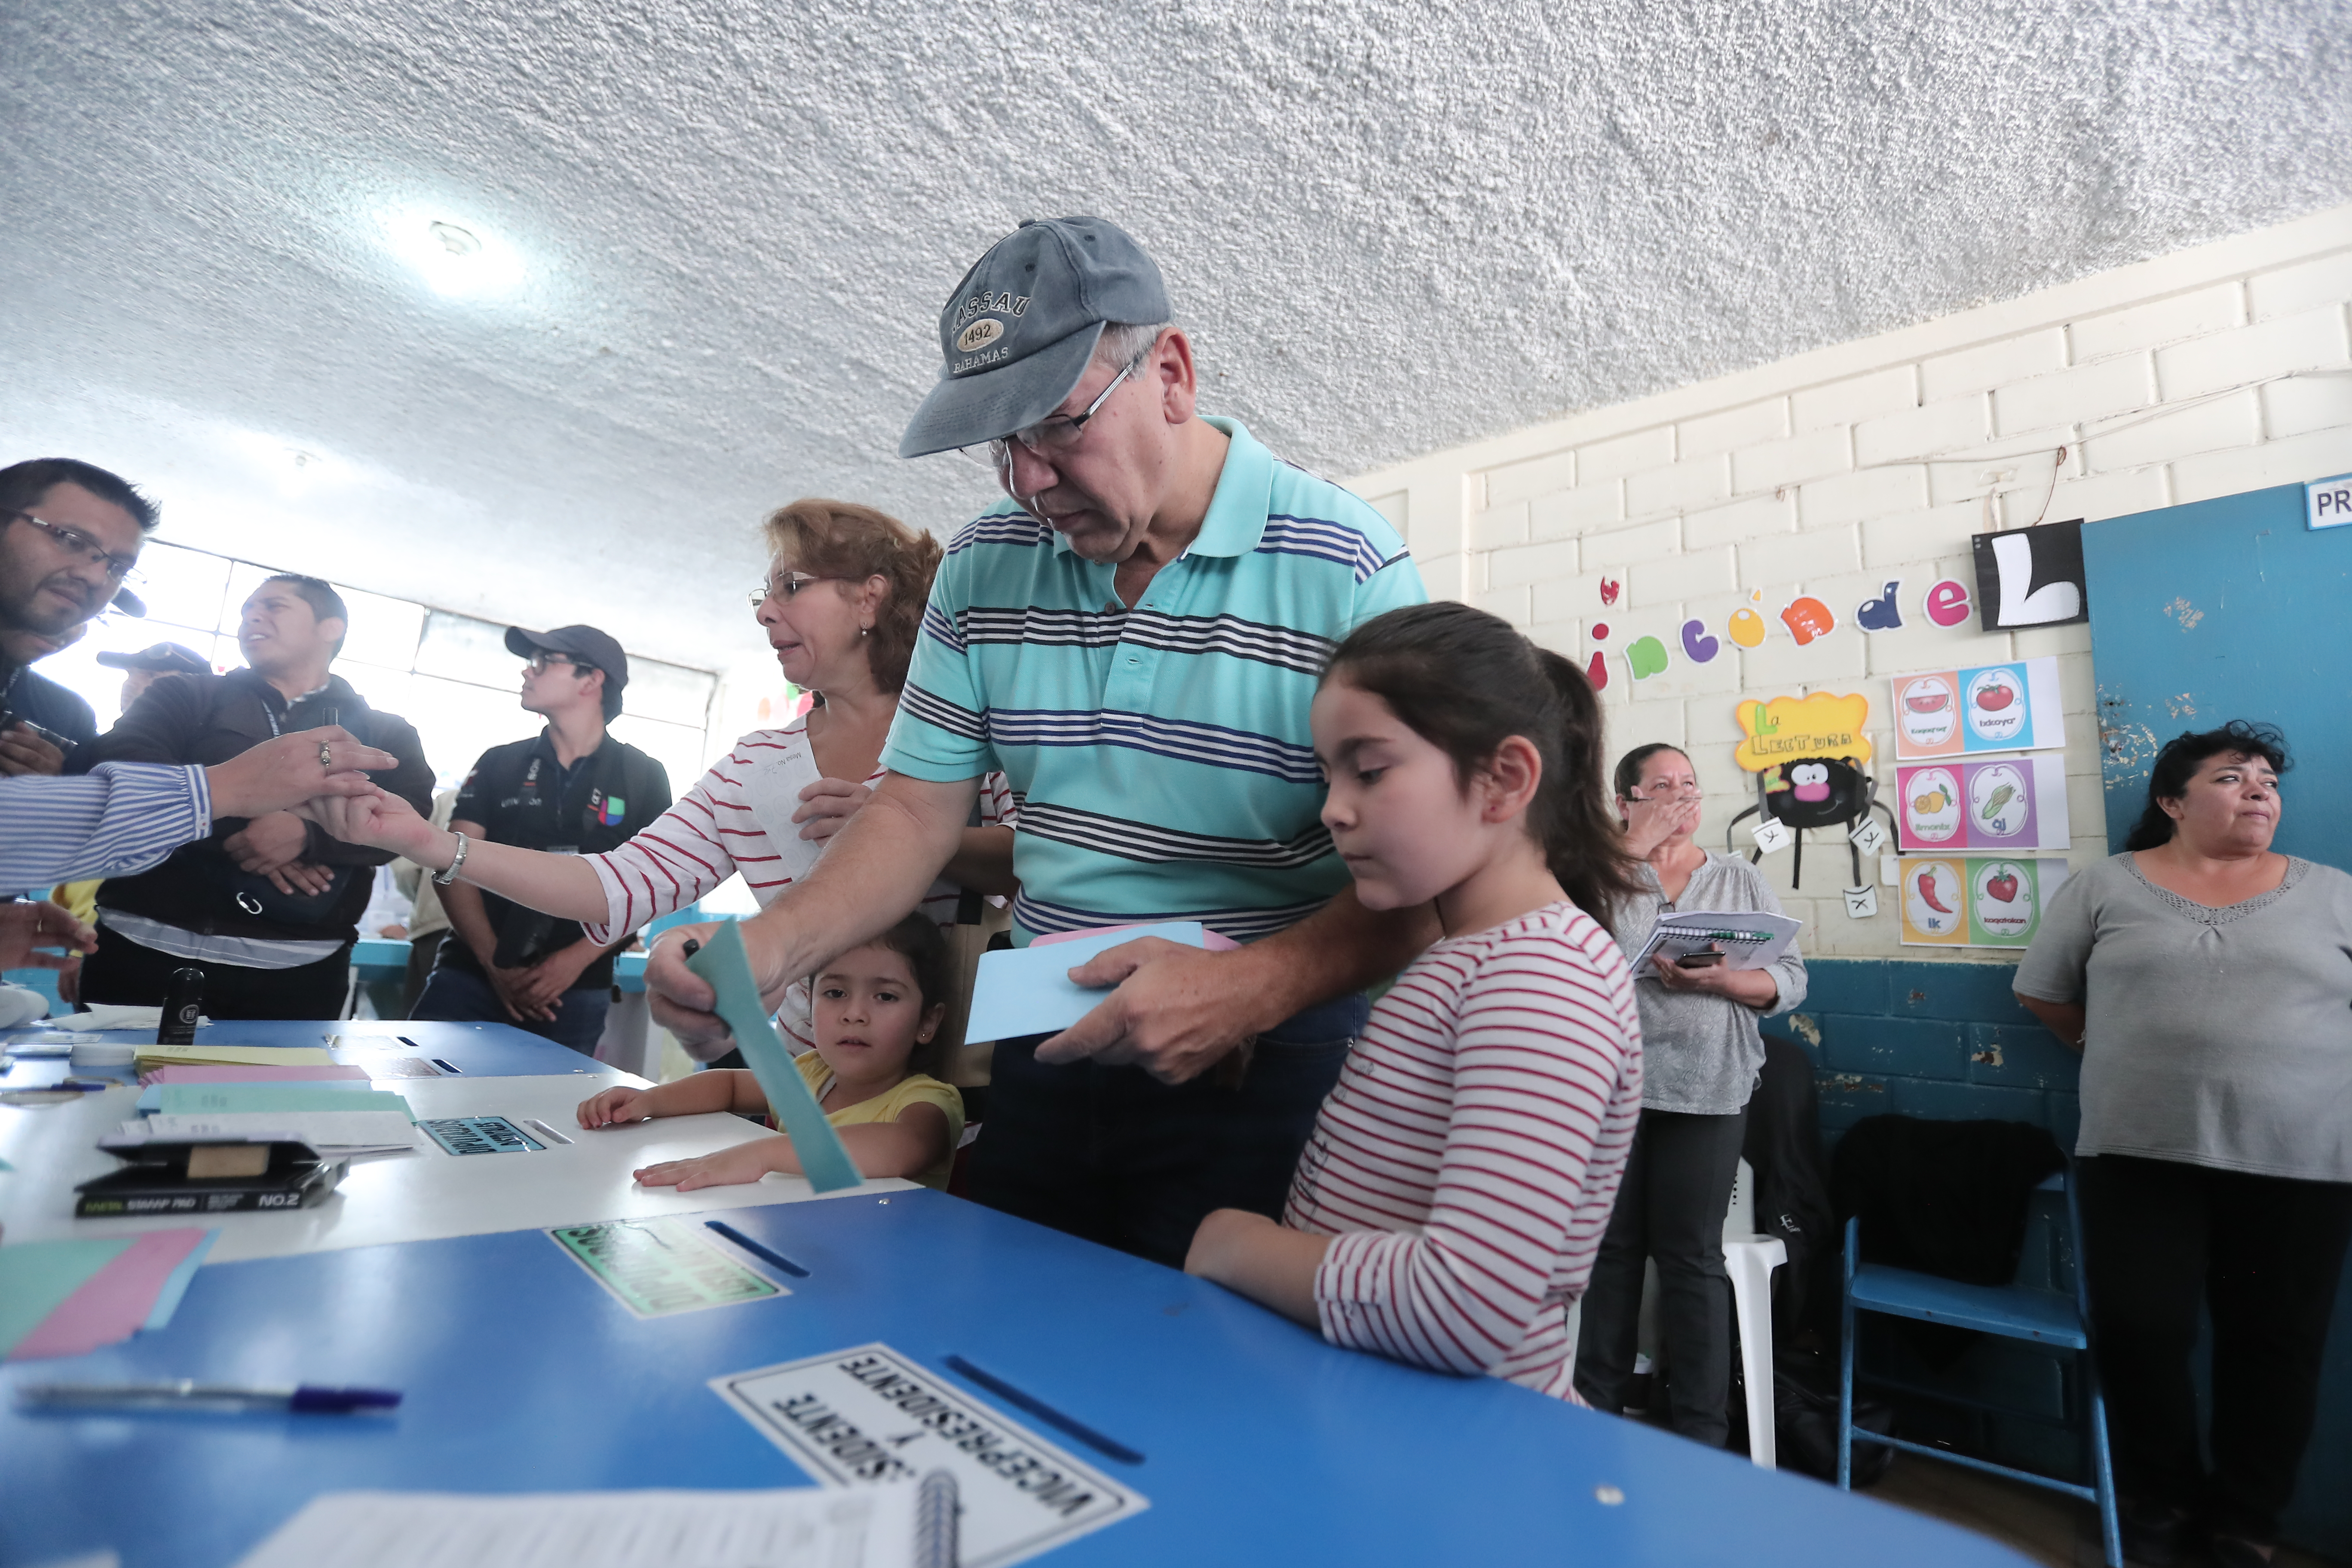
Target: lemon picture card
(2009, 707)
(2002, 805)
(1975, 901)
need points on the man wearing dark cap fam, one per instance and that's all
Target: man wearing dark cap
(150, 665)
(1134, 636)
(70, 533)
(570, 789)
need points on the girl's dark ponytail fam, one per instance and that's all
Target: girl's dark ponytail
(1465, 681)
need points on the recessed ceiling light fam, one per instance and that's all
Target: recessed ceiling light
(458, 259)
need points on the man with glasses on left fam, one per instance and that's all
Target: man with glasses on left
(69, 535)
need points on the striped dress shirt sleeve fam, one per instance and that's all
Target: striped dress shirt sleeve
(121, 817)
(1471, 1169)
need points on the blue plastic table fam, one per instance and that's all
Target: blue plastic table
(1261, 1444)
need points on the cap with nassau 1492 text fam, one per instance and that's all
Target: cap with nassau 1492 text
(1016, 335)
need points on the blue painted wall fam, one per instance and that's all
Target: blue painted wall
(1942, 1040)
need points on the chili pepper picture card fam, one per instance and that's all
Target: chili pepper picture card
(2011, 707)
(1975, 901)
(2006, 803)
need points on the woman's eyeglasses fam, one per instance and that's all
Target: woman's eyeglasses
(786, 587)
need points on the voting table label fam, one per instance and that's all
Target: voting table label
(657, 1266)
(868, 1417)
(481, 1135)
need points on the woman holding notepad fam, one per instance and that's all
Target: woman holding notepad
(1702, 1054)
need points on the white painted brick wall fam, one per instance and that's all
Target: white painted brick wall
(2222, 370)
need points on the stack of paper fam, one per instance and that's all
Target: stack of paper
(227, 1098)
(244, 1056)
(68, 1298)
(207, 1073)
(334, 1134)
(807, 1526)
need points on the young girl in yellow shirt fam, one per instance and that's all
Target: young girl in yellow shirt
(876, 1010)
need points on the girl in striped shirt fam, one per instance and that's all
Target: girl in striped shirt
(1461, 1176)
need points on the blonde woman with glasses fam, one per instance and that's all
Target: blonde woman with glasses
(840, 603)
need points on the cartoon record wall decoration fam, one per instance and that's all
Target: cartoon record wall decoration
(2007, 706)
(2008, 804)
(1977, 901)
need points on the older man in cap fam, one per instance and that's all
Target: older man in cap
(1134, 636)
(570, 789)
(152, 664)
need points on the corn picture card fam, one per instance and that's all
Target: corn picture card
(2005, 804)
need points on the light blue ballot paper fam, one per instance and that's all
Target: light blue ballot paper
(822, 1159)
(1028, 992)
(214, 1099)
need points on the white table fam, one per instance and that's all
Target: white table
(397, 1198)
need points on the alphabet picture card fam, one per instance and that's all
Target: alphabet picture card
(2007, 803)
(2032, 576)
(2007, 706)
(1976, 901)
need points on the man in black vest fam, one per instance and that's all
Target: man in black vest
(570, 789)
(266, 908)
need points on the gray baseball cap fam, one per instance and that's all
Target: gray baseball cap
(1020, 327)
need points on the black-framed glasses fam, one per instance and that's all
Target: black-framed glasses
(118, 568)
(1056, 436)
(538, 662)
(786, 587)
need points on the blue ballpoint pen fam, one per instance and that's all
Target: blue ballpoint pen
(187, 1394)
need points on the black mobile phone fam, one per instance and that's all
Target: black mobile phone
(65, 745)
(1699, 961)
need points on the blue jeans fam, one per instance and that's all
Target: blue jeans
(1112, 1155)
(461, 996)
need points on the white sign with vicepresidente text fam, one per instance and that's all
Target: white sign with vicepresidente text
(870, 1416)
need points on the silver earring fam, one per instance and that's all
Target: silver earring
(866, 631)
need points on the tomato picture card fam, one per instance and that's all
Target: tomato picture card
(2005, 804)
(2011, 707)
(1975, 901)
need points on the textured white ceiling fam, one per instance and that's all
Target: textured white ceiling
(1392, 226)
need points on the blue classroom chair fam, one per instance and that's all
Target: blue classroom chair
(2012, 1312)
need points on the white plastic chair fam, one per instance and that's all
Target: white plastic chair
(1749, 1258)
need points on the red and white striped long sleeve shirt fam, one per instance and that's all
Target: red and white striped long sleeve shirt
(1470, 1154)
(711, 833)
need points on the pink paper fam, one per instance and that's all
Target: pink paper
(113, 1302)
(228, 1073)
(1209, 939)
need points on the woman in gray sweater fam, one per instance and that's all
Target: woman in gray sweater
(1701, 1055)
(2206, 981)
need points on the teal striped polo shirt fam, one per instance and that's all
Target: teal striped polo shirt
(1162, 754)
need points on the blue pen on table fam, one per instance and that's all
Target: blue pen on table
(1043, 1412)
(756, 1250)
(187, 1394)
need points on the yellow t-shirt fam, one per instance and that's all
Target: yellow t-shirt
(920, 1089)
